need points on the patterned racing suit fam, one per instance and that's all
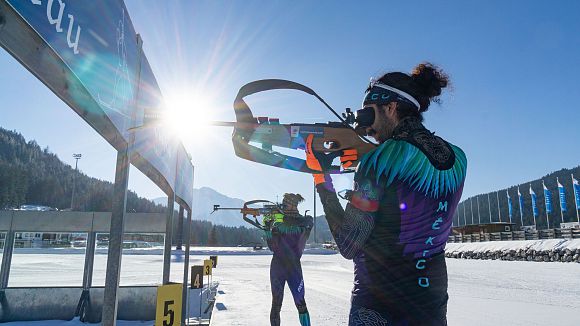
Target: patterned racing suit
(395, 227)
(287, 241)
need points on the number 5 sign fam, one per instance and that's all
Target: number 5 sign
(168, 305)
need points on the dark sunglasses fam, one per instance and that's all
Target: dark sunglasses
(364, 118)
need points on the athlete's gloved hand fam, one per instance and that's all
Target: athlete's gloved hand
(318, 162)
(348, 157)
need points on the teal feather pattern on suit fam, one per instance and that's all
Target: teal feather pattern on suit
(398, 159)
(284, 229)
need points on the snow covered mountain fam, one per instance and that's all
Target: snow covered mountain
(203, 201)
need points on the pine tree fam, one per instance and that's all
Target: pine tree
(30, 174)
(212, 238)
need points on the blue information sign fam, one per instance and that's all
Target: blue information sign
(97, 42)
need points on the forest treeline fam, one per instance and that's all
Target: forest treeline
(32, 175)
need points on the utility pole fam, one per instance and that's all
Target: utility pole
(77, 157)
(471, 205)
(576, 195)
(498, 210)
(464, 218)
(489, 207)
(478, 216)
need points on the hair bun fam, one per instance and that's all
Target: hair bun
(429, 80)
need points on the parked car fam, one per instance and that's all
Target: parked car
(132, 244)
(29, 207)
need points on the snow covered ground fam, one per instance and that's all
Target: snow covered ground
(540, 245)
(481, 292)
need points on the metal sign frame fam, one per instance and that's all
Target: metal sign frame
(34, 33)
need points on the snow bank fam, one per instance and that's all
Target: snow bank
(548, 250)
(546, 244)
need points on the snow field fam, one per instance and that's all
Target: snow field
(482, 292)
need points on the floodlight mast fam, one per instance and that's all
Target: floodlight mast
(77, 157)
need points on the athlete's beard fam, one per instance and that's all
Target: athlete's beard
(385, 128)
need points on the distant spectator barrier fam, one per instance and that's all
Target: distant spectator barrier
(565, 255)
(516, 235)
(534, 251)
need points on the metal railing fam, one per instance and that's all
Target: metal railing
(19, 304)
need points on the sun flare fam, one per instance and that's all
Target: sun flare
(187, 115)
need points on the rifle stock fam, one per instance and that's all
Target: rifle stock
(268, 208)
(330, 138)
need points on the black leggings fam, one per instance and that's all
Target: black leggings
(282, 271)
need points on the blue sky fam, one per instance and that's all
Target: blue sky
(514, 68)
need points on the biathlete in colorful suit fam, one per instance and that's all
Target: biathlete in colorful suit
(400, 210)
(286, 238)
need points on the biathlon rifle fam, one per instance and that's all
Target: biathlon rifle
(331, 138)
(268, 208)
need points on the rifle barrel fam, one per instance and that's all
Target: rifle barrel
(223, 123)
(242, 125)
